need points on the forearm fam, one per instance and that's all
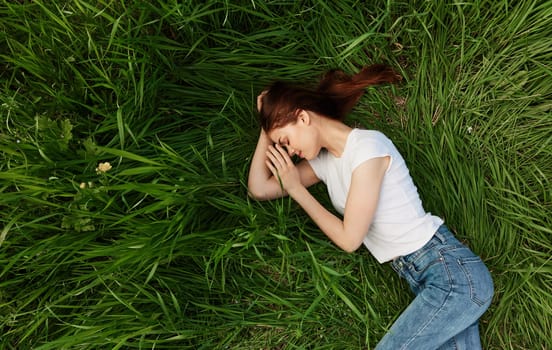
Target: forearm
(330, 224)
(261, 183)
(360, 207)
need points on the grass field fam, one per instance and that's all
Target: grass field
(166, 251)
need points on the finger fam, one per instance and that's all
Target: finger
(271, 167)
(273, 161)
(260, 100)
(283, 151)
(285, 155)
(259, 103)
(275, 173)
(277, 158)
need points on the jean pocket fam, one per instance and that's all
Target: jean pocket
(479, 279)
(425, 260)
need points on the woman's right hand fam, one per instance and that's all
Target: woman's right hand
(282, 168)
(260, 100)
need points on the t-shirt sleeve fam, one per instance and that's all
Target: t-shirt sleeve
(367, 148)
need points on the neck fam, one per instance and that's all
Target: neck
(334, 135)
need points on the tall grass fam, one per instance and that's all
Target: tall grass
(165, 250)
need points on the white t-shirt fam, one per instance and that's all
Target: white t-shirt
(400, 224)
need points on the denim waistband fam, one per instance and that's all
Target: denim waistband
(442, 236)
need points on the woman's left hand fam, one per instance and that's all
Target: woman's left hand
(283, 168)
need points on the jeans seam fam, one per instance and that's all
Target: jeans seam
(469, 277)
(414, 336)
(438, 310)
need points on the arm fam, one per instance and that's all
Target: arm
(262, 184)
(360, 207)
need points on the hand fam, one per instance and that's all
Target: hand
(260, 100)
(283, 168)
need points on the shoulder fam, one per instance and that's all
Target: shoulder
(366, 145)
(361, 137)
(370, 142)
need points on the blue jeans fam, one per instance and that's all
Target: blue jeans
(453, 289)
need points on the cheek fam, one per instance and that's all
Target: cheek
(311, 140)
(308, 147)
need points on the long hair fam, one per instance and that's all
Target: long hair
(336, 95)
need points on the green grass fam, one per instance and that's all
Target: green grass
(166, 250)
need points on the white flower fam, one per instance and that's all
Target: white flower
(470, 129)
(82, 185)
(103, 167)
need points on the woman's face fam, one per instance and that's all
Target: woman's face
(299, 138)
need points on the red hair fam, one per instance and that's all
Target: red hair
(336, 95)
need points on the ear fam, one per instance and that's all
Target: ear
(304, 117)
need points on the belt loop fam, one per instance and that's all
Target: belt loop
(441, 232)
(398, 264)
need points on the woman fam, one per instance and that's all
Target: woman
(370, 186)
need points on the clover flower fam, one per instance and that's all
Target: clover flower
(103, 167)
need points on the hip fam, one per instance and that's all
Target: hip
(447, 264)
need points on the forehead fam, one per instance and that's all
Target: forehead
(278, 134)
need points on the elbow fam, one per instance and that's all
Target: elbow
(256, 194)
(351, 238)
(350, 250)
(253, 196)
(253, 191)
(351, 247)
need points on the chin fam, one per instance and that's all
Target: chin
(312, 156)
(309, 156)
